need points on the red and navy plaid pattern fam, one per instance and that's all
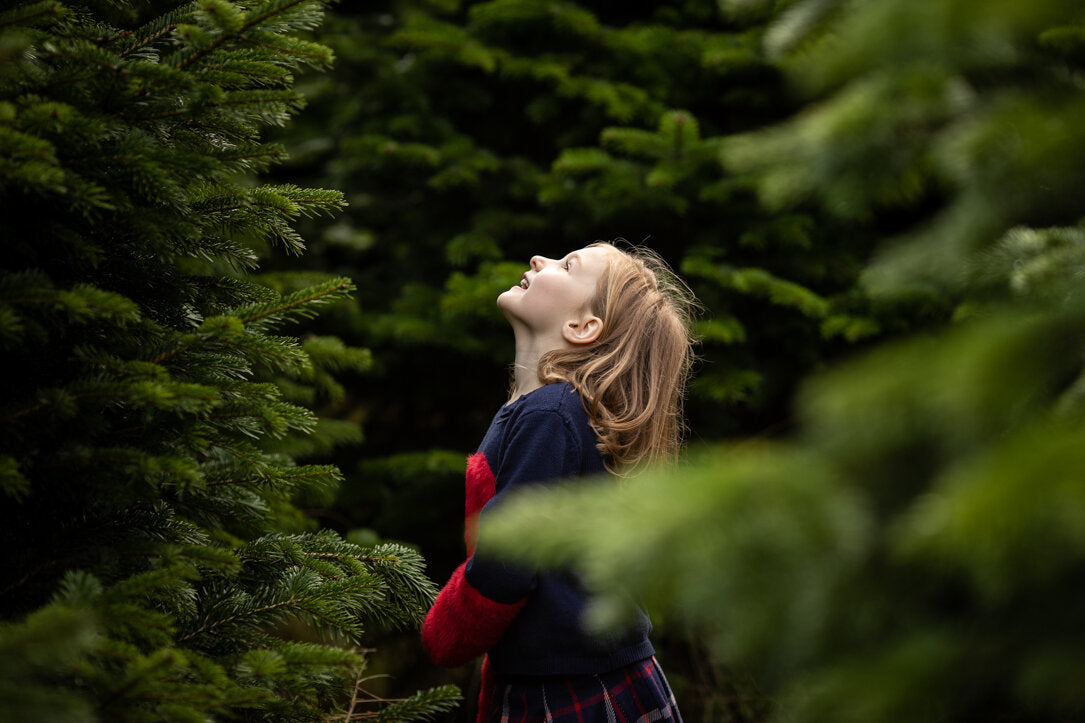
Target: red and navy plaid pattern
(637, 693)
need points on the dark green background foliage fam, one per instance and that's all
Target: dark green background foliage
(156, 566)
(469, 136)
(912, 551)
(877, 203)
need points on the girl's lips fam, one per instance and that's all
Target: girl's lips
(524, 283)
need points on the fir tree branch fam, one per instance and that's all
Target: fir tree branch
(165, 356)
(420, 706)
(306, 604)
(32, 13)
(252, 22)
(160, 659)
(155, 30)
(289, 99)
(254, 457)
(262, 152)
(294, 302)
(308, 472)
(311, 53)
(280, 355)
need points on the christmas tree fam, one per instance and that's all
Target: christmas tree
(156, 394)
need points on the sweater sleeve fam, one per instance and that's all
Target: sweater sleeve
(463, 623)
(484, 594)
(539, 449)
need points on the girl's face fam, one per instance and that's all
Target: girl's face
(556, 292)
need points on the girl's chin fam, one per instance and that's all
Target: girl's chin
(512, 291)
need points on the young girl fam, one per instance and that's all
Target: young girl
(603, 351)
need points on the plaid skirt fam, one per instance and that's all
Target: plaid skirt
(637, 693)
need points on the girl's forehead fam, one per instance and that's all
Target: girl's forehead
(593, 259)
(594, 253)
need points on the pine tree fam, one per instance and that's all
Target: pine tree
(156, 566)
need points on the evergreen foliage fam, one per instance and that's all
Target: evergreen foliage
(472, 135)
(155, 394)
(914, 551)
(469, 136)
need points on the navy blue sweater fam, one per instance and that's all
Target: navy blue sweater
(541, 438)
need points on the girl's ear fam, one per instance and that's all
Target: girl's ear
(582, 332)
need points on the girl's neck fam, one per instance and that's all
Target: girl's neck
(525, 375)
(525, 370)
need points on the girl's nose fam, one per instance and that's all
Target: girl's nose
(537, 262)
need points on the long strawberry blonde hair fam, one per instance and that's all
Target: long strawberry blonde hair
(632, 378)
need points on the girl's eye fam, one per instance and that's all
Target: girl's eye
(565, 265)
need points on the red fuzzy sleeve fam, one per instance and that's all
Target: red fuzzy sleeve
(463, 623)
(479, 491)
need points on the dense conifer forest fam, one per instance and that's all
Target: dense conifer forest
(250, 255)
